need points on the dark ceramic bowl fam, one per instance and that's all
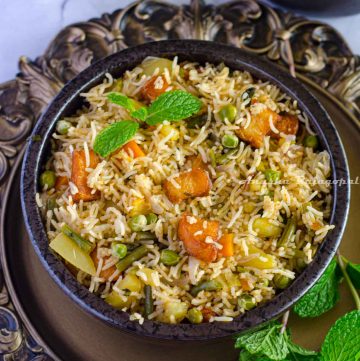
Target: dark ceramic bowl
(69, 100)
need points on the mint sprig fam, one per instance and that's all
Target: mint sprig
(322, 296)
(122, 100)
(114, 136)
(173, 106)
(270, 343)
(353, 271)
(342, 343)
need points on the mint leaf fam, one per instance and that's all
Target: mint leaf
(268, 342)
(114, 136)
(298, 350)
(353, 271)
(122, 100)
(247, 356)
(322, 296)
(296, 357)
(342, 343)
(140, 113)
(174, 105)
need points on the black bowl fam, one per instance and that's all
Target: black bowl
(69, 100)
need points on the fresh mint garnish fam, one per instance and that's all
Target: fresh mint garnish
(322, 296)
(269, 343)
(342, 343)
(122, 100)
(173, 106)
(114, 136)
(353, 271)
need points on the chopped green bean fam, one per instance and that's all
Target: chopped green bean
(197, 121)
(137, 223)
(194, 316)
(272, 176)
(51, 204)
(288, 232)
(83, 243)
(228, 112)
(151, 218)
(119, 249)
(145, 236)
(212, 158)
(62, 127)
(311, 141)
(149, 305)
(230, 141)
(169, 258)
(210, 285)
(48, 178)
(281, 281)
(246, 301)
(135, 255)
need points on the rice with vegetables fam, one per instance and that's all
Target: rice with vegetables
(185, 193)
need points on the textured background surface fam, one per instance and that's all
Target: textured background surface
(27, 26)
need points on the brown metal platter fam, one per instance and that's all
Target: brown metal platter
(39, 322)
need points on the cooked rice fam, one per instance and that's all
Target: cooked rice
(122, 180)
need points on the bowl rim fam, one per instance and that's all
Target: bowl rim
(67, 101)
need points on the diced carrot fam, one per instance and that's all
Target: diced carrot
(133, 150)
(79, 175)
(227, 241)
(245, 285)
(287, 124)
(61, 181)
(193, 183)
(259, 126)
(196, 161)
(154, 87)
(106, 273)
(207, 314)
(316, 226)
(194, 234)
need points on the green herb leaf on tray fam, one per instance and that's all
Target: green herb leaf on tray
(122, 100)
(266, 342)
(353, 271)
(298, 350)
(342, 343)
(247, 356)
(114, 136)
(322, 296)
(174, 105)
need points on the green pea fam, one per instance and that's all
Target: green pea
(265, 282)
(272, 176)
(281, 281)
(169, 258)
(151, 218)
(228, 112)
(137, 223)
(51, 204)
(311, 141)
(194, 315)
(119, 249)
(230, 141)
(62, 127)
(48, 179)
(246, 301)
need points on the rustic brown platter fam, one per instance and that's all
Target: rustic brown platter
(37, 319)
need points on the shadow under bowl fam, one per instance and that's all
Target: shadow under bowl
(69, 100)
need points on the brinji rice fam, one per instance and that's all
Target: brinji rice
(254, 221)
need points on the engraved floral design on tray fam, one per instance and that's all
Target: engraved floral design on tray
(319, 53)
